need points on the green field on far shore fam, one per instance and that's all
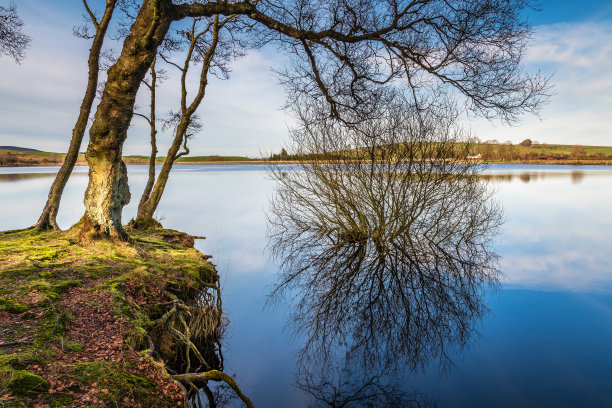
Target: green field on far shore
(491, 152)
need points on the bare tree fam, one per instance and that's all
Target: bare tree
(206, 45)
(152, 121)
(578, 152)
(344, 51)
(47, 219)
(384, 241)
(12, 41)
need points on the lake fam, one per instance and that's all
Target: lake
(545, 340)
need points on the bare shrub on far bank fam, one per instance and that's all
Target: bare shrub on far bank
(383, 234)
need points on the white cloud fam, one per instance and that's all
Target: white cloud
(41, 97)
(579, 57)
(572, 45)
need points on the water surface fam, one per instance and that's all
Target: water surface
(545, 342)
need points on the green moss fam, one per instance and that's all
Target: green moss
(39, 268)
(74, 346)
(117, 380)
(46, 287)
(139, 381)
(11, 306)
(60, 400)
(5, 359)
(65, 284)
(25, 383)
(44, 254)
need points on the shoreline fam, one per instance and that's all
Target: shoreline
(260, 162)
(556, 162)
(135, 163)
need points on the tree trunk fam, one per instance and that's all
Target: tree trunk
(107, 192)
(48, 217)
(152, 158)
(147, 208)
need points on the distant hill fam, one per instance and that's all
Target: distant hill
(21, 149)
(22, 156)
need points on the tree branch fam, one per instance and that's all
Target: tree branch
(215, 375)
(93, 18)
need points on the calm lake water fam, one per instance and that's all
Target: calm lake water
(546, 341)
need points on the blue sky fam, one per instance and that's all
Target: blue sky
(39, 99)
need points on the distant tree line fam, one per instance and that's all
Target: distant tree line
(528, 150)
(487, 150)
(284, 156)
(16, 159)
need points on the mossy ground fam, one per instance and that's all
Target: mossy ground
(74, 318)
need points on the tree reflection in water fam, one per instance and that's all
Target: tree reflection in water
(385, 248)
(332, 386)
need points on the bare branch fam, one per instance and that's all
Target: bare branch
(12, 40)
(93, 18)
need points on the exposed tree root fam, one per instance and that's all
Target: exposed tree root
(58, 321)
(214, 375)
(176, 317)
(194, 329)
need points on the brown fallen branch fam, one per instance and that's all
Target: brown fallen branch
(215, 375)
